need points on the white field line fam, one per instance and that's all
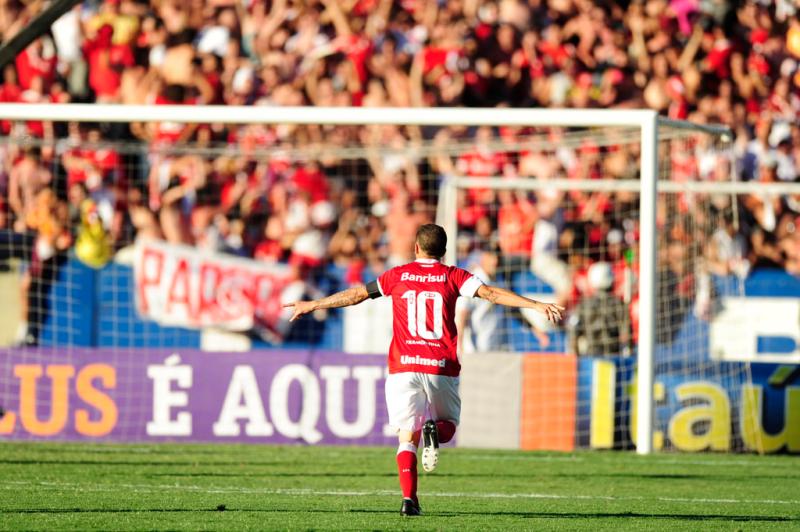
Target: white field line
(156, 488)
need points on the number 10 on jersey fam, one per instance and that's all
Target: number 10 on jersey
(417, 306)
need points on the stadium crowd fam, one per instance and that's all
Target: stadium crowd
(306, 203)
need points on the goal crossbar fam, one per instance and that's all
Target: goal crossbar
(334, 115)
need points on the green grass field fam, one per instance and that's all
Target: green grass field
(222, 487)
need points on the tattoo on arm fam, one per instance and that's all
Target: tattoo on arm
(491, 294)
(501, 296)
(345, 298)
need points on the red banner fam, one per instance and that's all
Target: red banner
(182, 286)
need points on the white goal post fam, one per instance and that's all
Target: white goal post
(646, 121)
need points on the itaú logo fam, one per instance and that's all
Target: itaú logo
(420, 361)
(423, 278)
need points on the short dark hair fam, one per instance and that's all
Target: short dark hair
(432, 240)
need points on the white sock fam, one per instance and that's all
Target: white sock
(407, 446)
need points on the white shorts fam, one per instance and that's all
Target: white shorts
(409, 395)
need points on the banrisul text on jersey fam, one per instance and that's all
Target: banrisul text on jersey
(405, 276)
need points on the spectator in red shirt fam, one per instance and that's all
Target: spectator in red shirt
(106, 63)
(35, 61)
(309, 179)
(482, 161)
(516, 219)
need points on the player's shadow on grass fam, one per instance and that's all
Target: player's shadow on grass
(610, 515)
(623, 515)
(529, 515)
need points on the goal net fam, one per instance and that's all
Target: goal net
(175, 234)
(565, 227)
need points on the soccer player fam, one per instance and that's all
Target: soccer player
(423, 364)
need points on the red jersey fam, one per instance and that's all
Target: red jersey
(424, 294)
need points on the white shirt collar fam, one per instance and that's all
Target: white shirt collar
(427, 261)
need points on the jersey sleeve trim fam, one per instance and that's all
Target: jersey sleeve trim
(470, 286)
(380, 288)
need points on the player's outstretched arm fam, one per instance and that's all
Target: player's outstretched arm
(345, 298)
(501, 296)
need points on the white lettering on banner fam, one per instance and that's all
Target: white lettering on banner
(428, 278)
(179, 285)
(334, 377)
(165, 398)
(422, 361)
(242, 401)
(306, 426)
(757, 329)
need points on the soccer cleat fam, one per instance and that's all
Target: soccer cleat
(430, 446)
(410, 507)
